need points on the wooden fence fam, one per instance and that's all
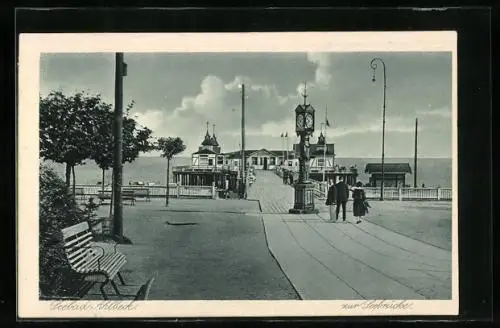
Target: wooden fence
(159, 191)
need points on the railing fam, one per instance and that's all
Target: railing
(204, 168)
(176, 191)
(321, 192)
(410, 193)
(320, 189)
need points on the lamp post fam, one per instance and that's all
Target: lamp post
(242, 189)
(373, 65)
(304, 189)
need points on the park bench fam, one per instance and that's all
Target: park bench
(126, 195)
(79, 191)
(92, 261)
(138, 192)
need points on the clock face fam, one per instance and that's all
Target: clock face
(300, 122)
(309, 121)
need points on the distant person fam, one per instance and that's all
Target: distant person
(341, 199)
(423, 185)
(227, 189)
(331, 199)
(291, 178)
(359, 202)
(285, 176)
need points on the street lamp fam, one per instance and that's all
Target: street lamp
(304, 189)
(373, 65)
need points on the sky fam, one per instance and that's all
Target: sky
(176, 94)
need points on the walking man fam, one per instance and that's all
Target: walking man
(342, 196)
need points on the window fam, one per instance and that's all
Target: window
(254, 160)
(220, 160)
(210, 161)
(203, 161)
(273, 161)
(321, 162)
(261, 161)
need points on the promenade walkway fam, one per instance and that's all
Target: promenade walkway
(328, 261)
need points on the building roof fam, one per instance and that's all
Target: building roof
(207, 141)
(316, 150)
(278, 153)
(321, 139)
(388, 168)
(214, 141)
(204, 151)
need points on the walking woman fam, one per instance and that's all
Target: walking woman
(359, 201)
(330, 200)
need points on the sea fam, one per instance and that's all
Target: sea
(432, 172)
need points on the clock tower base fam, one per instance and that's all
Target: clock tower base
(304, 199)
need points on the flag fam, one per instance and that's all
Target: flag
(281, 135)
(327, 123)
(286, 134)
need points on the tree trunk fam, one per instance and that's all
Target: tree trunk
(68, 177)
(74, 185)
(168, 181)
(111, 201)
(102, 185)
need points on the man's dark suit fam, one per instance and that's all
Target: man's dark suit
(342, 196)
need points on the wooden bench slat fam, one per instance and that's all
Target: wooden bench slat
(77, 255)
(84, 260)
(74, 230)
(105, 263)
(80, 241)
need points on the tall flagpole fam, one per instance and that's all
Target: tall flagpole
(286, 142)
(324, 148)
(283, 147)
(415, 158)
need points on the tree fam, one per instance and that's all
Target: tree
(135, 140)
(169, 147)
(68, 128)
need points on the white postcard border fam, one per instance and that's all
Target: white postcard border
(30, 48)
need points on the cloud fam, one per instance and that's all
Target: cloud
(219, 102)
(440, 112)
(393, 124)
(322, 75)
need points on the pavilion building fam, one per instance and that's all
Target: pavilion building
(207, 167)
(394, 174)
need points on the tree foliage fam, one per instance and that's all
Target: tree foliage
(169, 147)
(57, 210)
(79, 127)
(68, 127)
(136, 139)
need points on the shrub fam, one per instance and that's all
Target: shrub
(58, 210)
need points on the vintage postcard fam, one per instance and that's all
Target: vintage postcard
(237, 175)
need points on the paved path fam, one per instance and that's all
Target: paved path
(347, 261)
(200, 250)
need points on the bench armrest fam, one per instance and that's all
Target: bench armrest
(107, 245)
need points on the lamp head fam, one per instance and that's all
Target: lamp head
(373, 76)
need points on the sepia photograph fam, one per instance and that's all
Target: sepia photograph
(206, 175)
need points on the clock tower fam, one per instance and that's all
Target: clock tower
(304, 127)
